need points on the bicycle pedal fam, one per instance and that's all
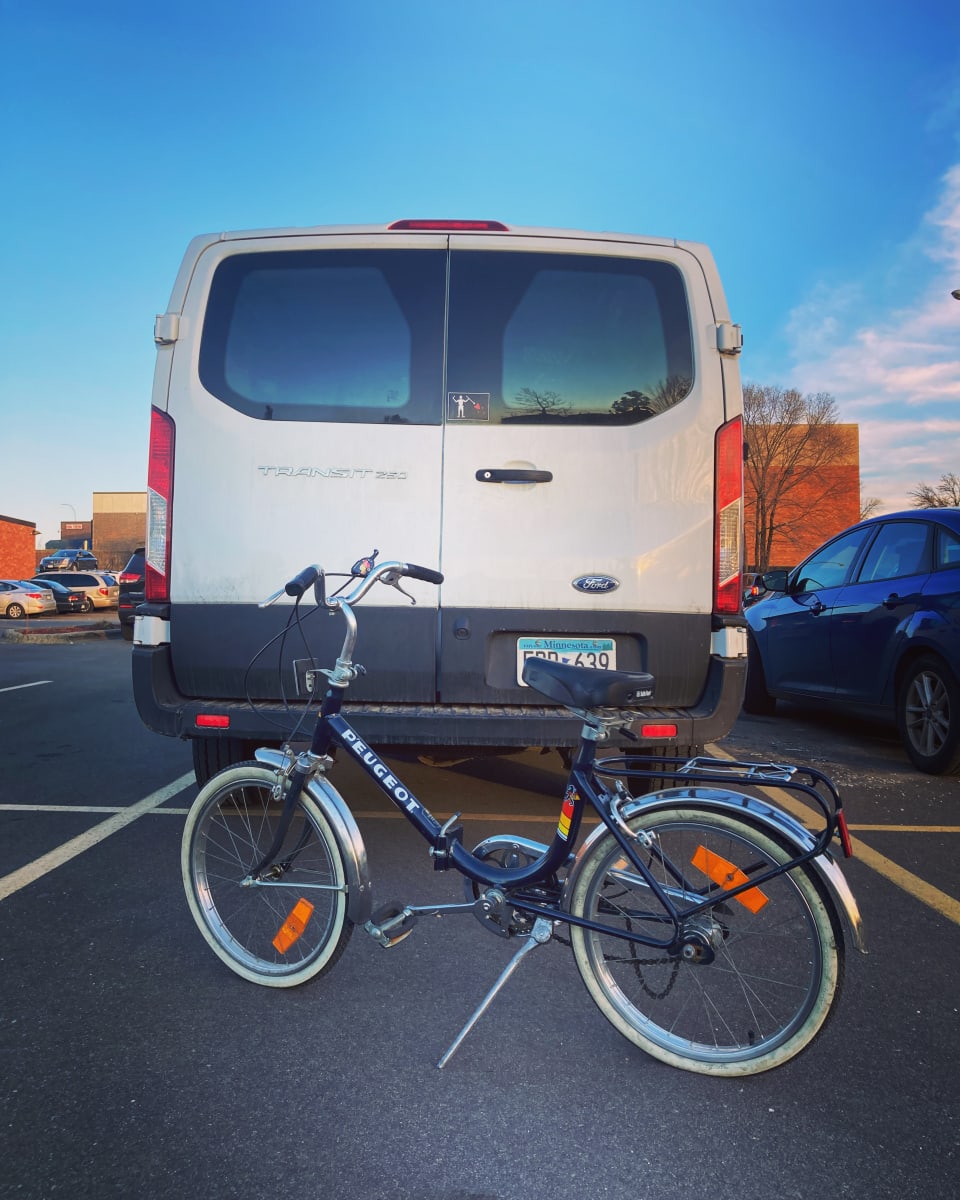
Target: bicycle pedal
(390, 924)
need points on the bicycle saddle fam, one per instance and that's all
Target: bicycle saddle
(587, 687)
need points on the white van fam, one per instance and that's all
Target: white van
(550, 418)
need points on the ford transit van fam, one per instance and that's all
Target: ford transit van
(551, 418)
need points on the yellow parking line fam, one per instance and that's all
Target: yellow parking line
(925, 892)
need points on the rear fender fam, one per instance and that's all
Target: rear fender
(341, 821)
(780, 824)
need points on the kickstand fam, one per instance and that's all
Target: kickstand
(541, 933)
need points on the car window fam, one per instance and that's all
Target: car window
(831, 564)
(948, 550)
(566, 339)
(901, 548)
(328, 335)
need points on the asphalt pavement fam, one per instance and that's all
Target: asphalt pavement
(135, 1064)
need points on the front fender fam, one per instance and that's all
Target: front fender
(781, 824)
(349, 839)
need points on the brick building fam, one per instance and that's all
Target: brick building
(814, 502)
(119, 526)
(18, 541)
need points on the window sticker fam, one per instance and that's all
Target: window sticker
(468, 406)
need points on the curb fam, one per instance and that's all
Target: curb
(61, 635)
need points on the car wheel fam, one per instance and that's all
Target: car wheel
(16, 611)
(87, 605)
(928, 716)
(126, 632)
(756, 699)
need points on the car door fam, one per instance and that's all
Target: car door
(796, 634)
(872, 612)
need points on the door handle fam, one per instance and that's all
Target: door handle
(494, 475)
(892, 600)
(817, 607)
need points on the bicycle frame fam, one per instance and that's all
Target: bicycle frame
(584, 787)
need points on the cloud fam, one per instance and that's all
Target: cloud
(897, 376)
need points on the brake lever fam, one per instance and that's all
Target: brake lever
(392, 579)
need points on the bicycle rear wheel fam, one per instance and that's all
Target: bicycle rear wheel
(770, 973)
(292, 924)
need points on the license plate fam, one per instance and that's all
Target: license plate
(577, 651)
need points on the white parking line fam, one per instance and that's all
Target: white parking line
(17, 686)
(56, 858)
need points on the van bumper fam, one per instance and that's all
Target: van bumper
(165, 710)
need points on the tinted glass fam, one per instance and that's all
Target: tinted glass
(328, 335)
(948, 549)
(830, 566)
(562, 338)
(901, 548)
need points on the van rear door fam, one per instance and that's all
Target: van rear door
(308, 429)
(578, 474)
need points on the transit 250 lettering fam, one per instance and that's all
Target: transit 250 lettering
(331, 472)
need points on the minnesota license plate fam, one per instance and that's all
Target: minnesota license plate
(577, 651)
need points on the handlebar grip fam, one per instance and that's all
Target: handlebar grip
(299, 583)
(423, 573)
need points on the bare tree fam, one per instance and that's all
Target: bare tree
(641, 405)
(868, 506)
(945, 494)
(545, 403)
(793, 440)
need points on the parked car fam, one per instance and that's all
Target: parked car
(21, 599)
(69, 560)
(870, 622)
(101, 589)
(68, 600)
(131, 592)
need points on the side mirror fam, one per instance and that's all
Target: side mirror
(775, 581)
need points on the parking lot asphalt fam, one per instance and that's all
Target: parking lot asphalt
(136, 1065)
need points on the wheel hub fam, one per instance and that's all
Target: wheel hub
(702, 938)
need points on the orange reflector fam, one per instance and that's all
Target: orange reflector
(727, 876)
(292, 928)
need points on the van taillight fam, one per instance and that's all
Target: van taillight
(159, 506)
(728, 518)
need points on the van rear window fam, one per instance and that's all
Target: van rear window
(330, 335)
(358, 336)
(568, 338)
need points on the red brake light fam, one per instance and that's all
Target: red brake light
(453, 226)
(159, 506)
(728, 518)
(127, 577)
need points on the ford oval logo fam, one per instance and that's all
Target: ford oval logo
(593, 584)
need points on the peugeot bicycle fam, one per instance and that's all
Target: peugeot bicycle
(708, 924)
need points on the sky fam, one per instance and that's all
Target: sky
(815, 148)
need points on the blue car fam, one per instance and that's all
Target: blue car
(870, 622)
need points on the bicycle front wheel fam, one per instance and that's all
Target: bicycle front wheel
(287, 926)
(764, 969)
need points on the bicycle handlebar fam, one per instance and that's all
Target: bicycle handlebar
(388, 572)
